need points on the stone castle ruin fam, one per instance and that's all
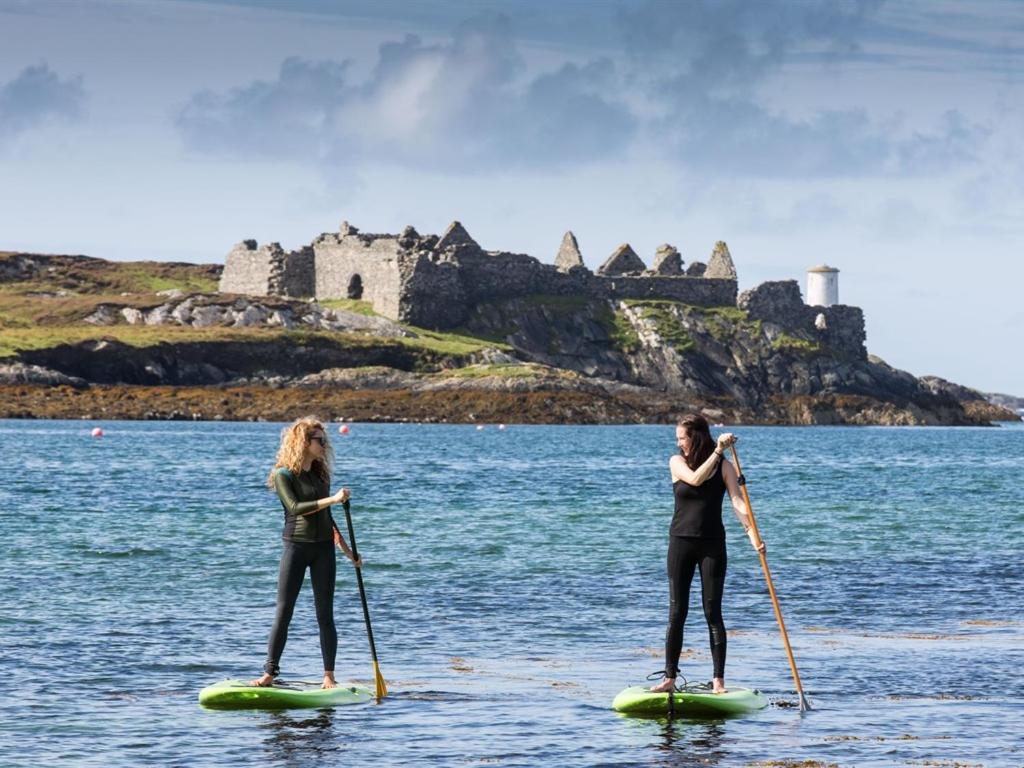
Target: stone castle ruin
(435, 281)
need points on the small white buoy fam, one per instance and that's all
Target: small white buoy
(501, 426)
(97, 432)
(343, 429)
(479, 427)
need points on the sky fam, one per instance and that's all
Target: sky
(881, 138)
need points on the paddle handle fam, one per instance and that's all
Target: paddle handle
(804, 705)
(359, 579)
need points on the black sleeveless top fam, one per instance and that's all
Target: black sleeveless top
(699, 508)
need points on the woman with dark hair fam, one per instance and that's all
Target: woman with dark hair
(301, 476)
(700, 478)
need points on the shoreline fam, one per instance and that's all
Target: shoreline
(478, 405)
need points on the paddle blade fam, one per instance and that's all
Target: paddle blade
(381, 686)
(804, 704)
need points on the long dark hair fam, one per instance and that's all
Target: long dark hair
(701, 444)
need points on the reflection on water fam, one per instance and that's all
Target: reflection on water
(292, 738)
(689, 742)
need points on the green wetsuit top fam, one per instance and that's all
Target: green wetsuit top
(299, 494)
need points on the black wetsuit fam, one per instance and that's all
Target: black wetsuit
(696, 539)
(308, 543)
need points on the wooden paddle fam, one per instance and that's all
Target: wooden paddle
(381, 686)
(804, 706)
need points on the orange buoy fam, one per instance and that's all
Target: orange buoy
(97, 432)
(343, 429)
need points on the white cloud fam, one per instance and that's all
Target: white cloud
(458, 105)
(38, 94)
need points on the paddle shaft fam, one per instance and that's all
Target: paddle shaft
(768, 579)
(359, 579)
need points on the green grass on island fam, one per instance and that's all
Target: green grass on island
(784, 342)
(358, 306)
(621, 332)
(84, 275)
(17, 340)
(667, 323)
(506, 370)
(49, 309)
(450, 343)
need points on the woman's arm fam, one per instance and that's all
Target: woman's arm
(677, 464)
(739, 505)
(285, 492)
(345, 548)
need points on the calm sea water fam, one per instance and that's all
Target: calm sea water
(516, 582)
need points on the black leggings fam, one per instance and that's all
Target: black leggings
(295, 559)
(684, 555)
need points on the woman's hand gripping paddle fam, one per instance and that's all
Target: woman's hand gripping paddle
(804, 706)
(381, 686)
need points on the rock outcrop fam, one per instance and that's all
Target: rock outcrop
(667, 261)
(22, 373)
(632, 348)
(454, 236)
(976, 403)
(623, 261)
(720, 265)
(569, 256)
(204, 311)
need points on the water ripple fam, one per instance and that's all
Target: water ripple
(516, 581)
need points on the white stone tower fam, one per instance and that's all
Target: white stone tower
(822, 286)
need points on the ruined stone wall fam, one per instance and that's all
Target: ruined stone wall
(432, 293)
(498, 275)
(844, 329)
(701, 292)
(506, 275)
(840, 327)
(268, 271)
(296, 277)
(366, 267)
(247, 270)
(438, 289)
(433, 281)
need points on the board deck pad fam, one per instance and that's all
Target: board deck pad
(238, 694)
(640, 700)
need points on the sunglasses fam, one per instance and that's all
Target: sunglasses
(321, 440)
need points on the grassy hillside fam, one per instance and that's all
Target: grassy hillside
(44, 301)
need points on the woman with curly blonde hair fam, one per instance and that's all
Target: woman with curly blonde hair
(301, 476)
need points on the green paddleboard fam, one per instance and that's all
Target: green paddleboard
(238, 694)
(639, 700)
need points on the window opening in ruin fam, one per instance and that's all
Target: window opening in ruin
(355, 287)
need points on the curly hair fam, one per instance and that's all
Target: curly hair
(294, 439)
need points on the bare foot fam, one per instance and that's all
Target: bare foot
(718, 685)
(262, 682)
(329, 682)
(666, 685)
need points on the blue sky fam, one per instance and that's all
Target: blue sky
(882, 138)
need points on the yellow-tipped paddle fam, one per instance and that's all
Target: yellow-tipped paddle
(379, 684)
(804, 705)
